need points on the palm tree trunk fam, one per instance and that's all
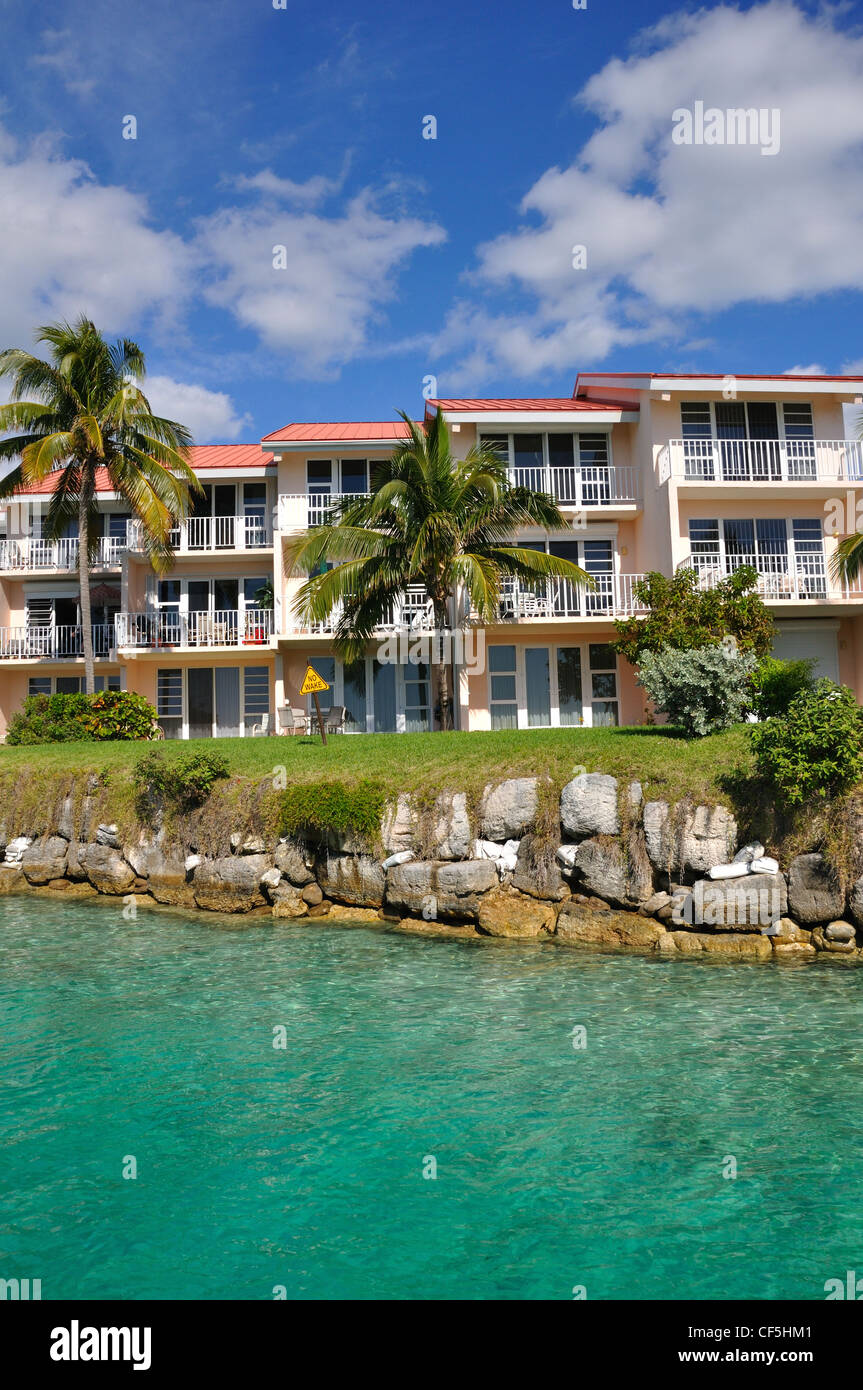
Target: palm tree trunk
(84, 582)
(442, 668)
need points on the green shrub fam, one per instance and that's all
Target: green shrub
(50, 719)
(776, 683)
(73, 718)
(703, 691)
(682, 614)
(816, 748)
(180, 786)
(329, 805)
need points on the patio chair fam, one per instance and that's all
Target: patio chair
(334, 719)
(301, 720)
(263, 729)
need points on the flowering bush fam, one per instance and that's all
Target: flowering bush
(73, 718)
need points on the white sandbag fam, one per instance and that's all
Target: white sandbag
(728, 871)
(748, 853)
(401, 857)
(764, 865)
(487, 849)
(566, 855)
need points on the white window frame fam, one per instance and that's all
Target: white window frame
(584, 645)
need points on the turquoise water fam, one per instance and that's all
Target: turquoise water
(303, 1167)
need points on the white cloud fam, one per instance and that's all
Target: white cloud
(71, 245)
(339, 271)
(210, 415)
(812, 369)
(672, 230)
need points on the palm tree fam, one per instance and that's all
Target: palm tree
(81, 411)
(435, 520)
(848, 560)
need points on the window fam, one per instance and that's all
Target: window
(39, 685)
(537, 681)
(169, 702)
(529, 461)
(417, 698)
(502, 687)
(70, 685)
(603, 683)
(569, 700)
(256, 695)
(355, 697)
(354, 477)
(319, 473)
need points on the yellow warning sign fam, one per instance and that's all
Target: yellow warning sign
(313, 682)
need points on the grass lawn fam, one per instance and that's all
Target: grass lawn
(665, 763)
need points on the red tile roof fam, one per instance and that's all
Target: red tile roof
(529, 403)
(204, 457)
(358, 430)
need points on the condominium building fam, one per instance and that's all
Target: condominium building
(650, 471)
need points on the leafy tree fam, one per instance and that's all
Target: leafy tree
(816, 749)
(72, 718)
(684, 616)
(703, 690)
(433, 519)
(82, 411)
(776, 683)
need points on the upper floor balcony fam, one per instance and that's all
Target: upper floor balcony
(163, 628)
(769, 462)
(782, 578)
(582, 486)
(209, 534)
(54, 641)
(413, 611)
(29, 555)
(612, 596)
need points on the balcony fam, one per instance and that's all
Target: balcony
(413, 611)
(586, 486)
(38, 643)
(223, 628)
(207, 534)
(781, 578)
(29, 555)
(766, 461)
(612, 597)
(300, 511)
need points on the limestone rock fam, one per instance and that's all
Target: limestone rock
(352, 878)
(348, 912)
(814, 895)
(834, 931)
(752, 946)
(108, 835)
(45, 859)
(249, 844)
(509, 809)
(692, 841)
(588, 805)
(433, 889)
(11, 878)
(106, 868)
(398, 825)
(312, 895)
(579, 925)
(291, 864)
(602, 868)
(288, 902)
(508, 914)
(732, 904)
(16, 848)
(539, 879)
(230, 884)
(452, 837)
(270, 878)
(855, 902)
(66, 819)
(822, 942)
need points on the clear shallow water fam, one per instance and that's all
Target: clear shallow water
(303, 1167)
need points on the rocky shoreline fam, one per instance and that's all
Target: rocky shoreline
(616, 873)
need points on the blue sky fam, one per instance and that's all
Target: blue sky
(407, 257)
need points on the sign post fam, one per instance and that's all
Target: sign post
(312, 683)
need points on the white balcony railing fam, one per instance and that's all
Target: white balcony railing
(780, 577)
(613, 595)
(209, 533)
(763, 460)
(29, 553)
(55, 641)
(300, 511)
(222, 628)
(588, 486)
(413, 611)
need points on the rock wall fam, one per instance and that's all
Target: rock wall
(623, 874)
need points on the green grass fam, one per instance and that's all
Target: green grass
(666, 764)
